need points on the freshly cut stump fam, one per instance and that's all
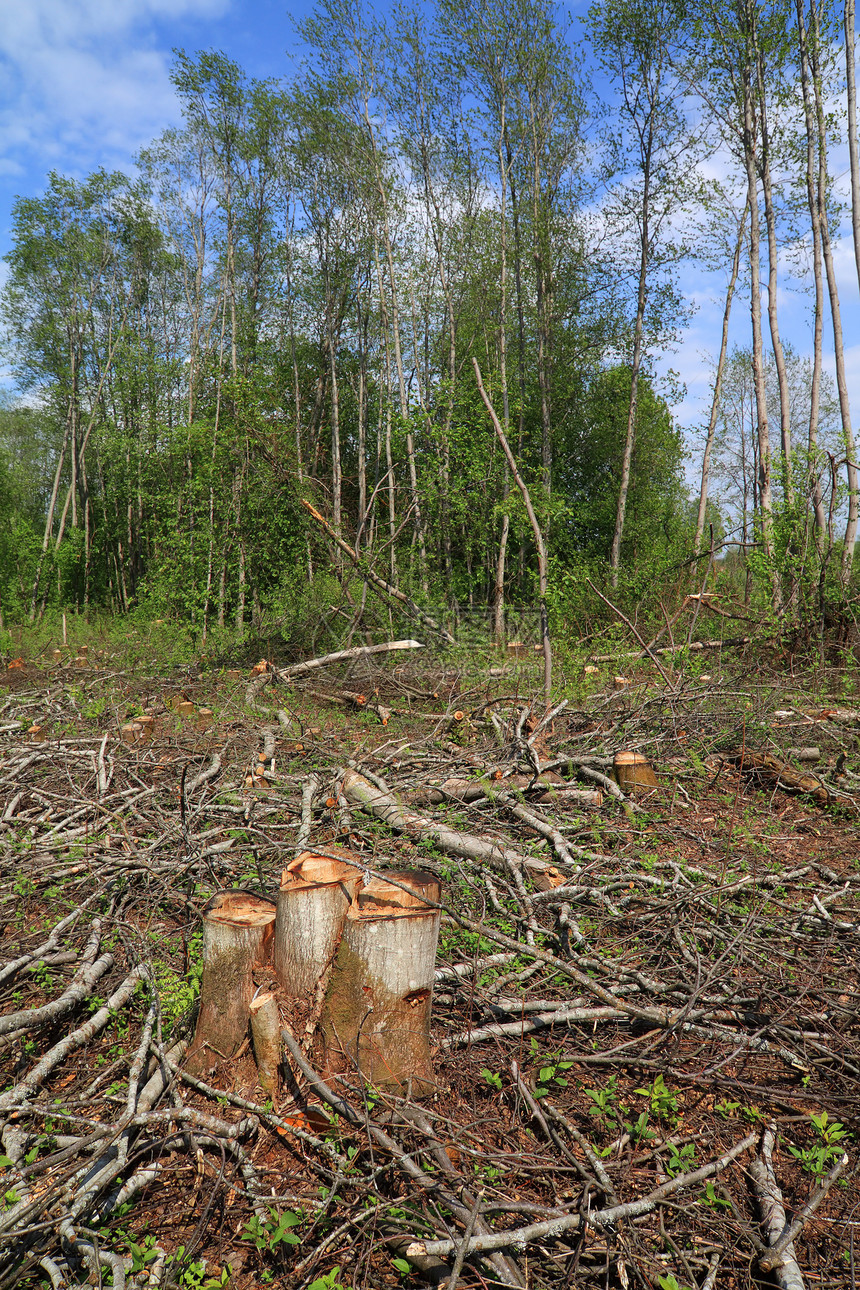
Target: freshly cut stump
(266, 1034)
(316, 892)
(237, 936)
(376, 1015)
(634, 773)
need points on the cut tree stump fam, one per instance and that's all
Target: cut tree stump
(316, 892)
(266, 1036)
(376, 1014)
(237, 935)
(634, 773)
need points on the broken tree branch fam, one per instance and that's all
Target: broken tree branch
(539, 542)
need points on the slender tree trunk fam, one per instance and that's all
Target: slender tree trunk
(762, 429)
(629, 439)
(718, 384)
(336, 478)
(812, 474)
(835, 314)
(854, 157)
(499, 580)
(772, 272)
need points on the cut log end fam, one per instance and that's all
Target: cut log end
(635, 773)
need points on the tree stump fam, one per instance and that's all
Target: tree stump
(376, 1014)
(635, 773)
(316, 892)
(266, 1035)
(237, 935)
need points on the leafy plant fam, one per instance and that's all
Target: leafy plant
(680, 1158)
(330, 1280)
(826, 1150)
(712, 1200)
(551, 1074)
(662, 1102)
(605, 1102)
(492, 1078)
(638, 1128)
(141, 1252)
(195, 1276)
(270, 1233)
(668, 1282)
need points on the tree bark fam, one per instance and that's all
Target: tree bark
(376, 1016)
(266, 1035)
(237, 934)
(316, 892)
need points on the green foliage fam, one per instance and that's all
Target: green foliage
(662, 1102)
(329, 1281)
(267, 1235)
(827, 1147)
(551, 1075)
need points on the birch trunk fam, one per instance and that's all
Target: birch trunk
(718, 385)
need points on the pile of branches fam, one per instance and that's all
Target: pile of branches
(647, 1032)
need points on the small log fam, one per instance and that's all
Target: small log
(237, 935)
(786, 1271)
(316, 892)
(266, 1036)
(543, 789)
(810, 754)
(772, 771)
(376, 1015)
(360, 792)
(635, 773)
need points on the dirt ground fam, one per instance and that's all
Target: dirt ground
(639, 999)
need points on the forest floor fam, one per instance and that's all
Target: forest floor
(638, 998)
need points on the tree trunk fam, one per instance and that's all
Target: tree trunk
(266, 1035)
(835, 314)
(376, 1016)
(851, 83)
(316, 892)
(812, 475)
(763, 433)
(629, 439)
(718, 385)
(237, 933)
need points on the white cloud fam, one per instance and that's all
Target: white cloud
(86, 82)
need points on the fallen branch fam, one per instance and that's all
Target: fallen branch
(784, 1265)
(359, 790)
(359, 651)
(600, 1219)
(379, 583)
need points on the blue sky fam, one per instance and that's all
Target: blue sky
(85, 83)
